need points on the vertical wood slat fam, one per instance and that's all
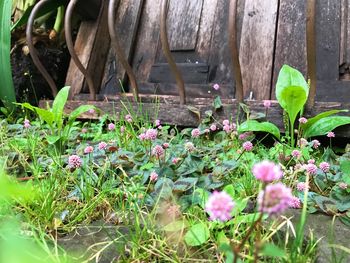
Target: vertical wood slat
(257, 47)
(291, 38)
(183, 24)
(91, 46)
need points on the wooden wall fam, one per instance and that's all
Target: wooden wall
(270, 32)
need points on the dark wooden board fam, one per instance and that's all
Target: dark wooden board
(290, 39)
(192, 73)
(169, 111)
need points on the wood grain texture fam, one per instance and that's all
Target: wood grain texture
(257, 47)
(291, 38)
(91, 46)
(183, 24)
(170, 112)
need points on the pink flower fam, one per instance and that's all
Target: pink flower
(324, 166)
(296, 154)
(227, 128)
(157, 123)
(165, 145)
(175, 160)
(226, 122)
(157, 151)
(102, 146)
(311, 168)
(312, 161)
(151, 134)
(216, 86)
(84, 130)
(315, 144)
(267, 171)
(244, 136)
(302, 142)
(267, 104)
(26, 124)
(122, 129)
(88, 149)
(159, 127)
(247, 146)
(298, 167)
(275, 199)
(74, 161)
(295, 203)
(330, 135)
(153, 177)
(189, 147)
(301, 186)
(213, 127)
(142, 136)
(111, 126)
(128, 118)
(91, 111)
(343, 186)
(195, 133)
(302, 120)
(219, 206)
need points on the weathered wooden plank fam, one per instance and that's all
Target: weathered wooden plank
(91, 46)
(333, 91)
(257, 47)
(192, 73)
(173, 113)
(344, 52)
(183, 24)
(328, 37)
(127, 21)
(290, 39)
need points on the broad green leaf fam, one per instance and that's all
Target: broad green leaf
(45, 115)
(175, 226)
(203, 196)
(80, 110)
(164, 187)
(325, 125)
(255, 126)
(217, 104)
(230, 190)
(271, 250)
(7, 92)
(222, 238)
(52, 139)
(147, 166)
(184, 184)
(322, 115)
(240, 205)
(58, 105)
(197, 235)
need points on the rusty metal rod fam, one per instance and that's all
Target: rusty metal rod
(70, 46)
(167, 53)
(311, 50)
(118, 49)
(236, 67)
(32, 50)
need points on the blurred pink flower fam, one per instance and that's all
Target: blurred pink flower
(219, 206)
(157, 123)
(189, 147)
(330, 135)
(213, 127)
(102, 146)
(151, 134)
(247, 146)
(122, 129)
(165, 145)
(296, 154)
(302, 120)
(267, 171)
(128, 118)
(175, 160)
(302, 142)
(74, 161)
(267, 104)
(343, 185)
(226, 122)
(111, 126)
(142, 136)
(311, 168)
(295, 202)
(275, 199)
(315, 144)
(195, 133)
(324, 166)
(302, 186)
(216, 86)
(153, 177)
(88, 149)
(158, 151)
(26, 123)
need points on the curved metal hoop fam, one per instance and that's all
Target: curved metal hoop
(167, 53)
(236, 67)
(70, 46)
(118, 49)
(32, 50)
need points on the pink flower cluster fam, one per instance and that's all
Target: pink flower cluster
(302, 186)
(195, 133)
(324, 166)
(247, 146)
(26, 123)
(158, 151)
(88, 149)
(150, 134)
(227, 127)
(74, 161)
(153, 176)
(296, 154)
(128, 118)
(111, 126)
(275, 199)
(330, 135)
(302, 120)
(219, 206)
(102, 146)
(267, 171)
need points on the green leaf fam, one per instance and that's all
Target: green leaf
(217, 104)
(202, 196)
(325, 125)
(7, 92)
(80, 110)
(271, 250)
(255, 126)
(45, 115)
(147, 166)
(58, 105)
(197, 235)
(222, 238)
(184, 184)
(230, 190)
(52, 139)
(164, 187)
(175, 226)
(322, 115)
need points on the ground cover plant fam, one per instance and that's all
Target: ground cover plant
(213, 193)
